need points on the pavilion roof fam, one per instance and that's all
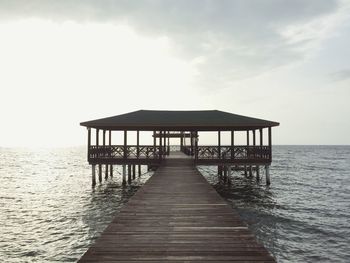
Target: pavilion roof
(203, 120)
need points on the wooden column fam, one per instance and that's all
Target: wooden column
(191, 145)
(138, 144)
(99, 165)
(232, 145)
(270, 142)
(219, 144)
(139, 170)
(89, 143)
(110, 144)
(257, 173)
(125, 144)
(168, 149)
(97, 137)
(181, 141)
(154, 144)
(165, 144)
(104, 137)
(261, 142)
(104, 153)
(254, 139)
(97, 142)
(196, 145)
(248, 138)
(254, 143)
(160, 145)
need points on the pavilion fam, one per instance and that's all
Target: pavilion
(186, 126)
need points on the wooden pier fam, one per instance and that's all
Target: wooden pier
(177, 217)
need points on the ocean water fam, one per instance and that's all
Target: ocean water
(50, 213)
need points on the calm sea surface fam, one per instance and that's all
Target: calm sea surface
(49, 212)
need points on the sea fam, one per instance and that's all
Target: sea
(50, 213)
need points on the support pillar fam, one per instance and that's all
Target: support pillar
(191, 141)
(129, 173)
(100, 173)
(229, 174)
(257, 173)
(93, 175)
(124, 174)
(267, 174)
(139, 170)
(106, 171)
(133, 171)
(219, 144)
(225, 174)
(250, 171)
(111, 171)
(89, 144)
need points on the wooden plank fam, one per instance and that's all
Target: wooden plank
(177, 217)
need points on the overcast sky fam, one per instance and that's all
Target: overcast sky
(63, 62)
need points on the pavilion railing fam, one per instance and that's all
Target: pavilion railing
(257, 153)
(109, 152)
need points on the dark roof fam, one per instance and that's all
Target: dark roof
(206, 120)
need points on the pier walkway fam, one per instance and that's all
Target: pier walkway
(177, 217)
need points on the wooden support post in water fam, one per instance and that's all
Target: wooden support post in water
(106, 171)
(250, 170)
(129, 173)
(100, 173)
(267, 174)
(93, 175)
(245, 171)
(229, 174)
(124, 174)
(225, 173)
(257, 173)
(111, 171)
(133, 171)
(139, 170)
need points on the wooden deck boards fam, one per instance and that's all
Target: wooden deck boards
(177, 217)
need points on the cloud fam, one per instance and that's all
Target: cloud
(340, 75)
(226, 40)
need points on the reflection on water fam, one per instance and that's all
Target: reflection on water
(49, 212)
(304, 215)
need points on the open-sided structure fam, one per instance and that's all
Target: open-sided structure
(185, 125)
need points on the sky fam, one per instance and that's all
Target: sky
(64, 62)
